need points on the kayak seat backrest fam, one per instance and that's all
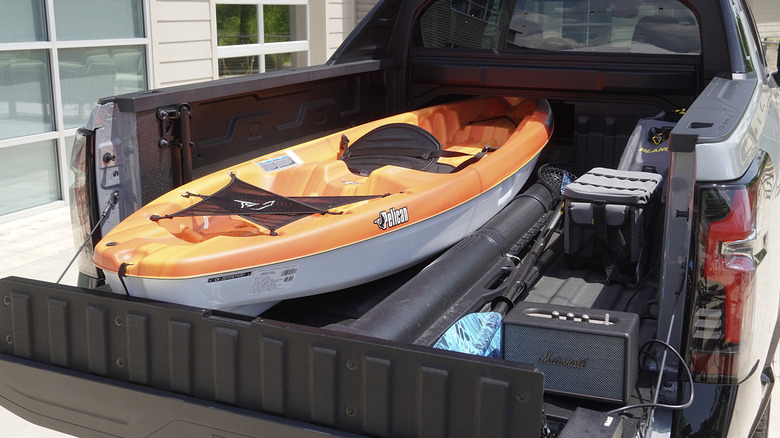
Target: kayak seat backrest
(395, 144)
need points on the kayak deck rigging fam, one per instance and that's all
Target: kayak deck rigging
(260, 206)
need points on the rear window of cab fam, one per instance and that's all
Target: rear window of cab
(614, 26)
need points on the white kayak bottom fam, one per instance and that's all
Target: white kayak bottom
(251, 291)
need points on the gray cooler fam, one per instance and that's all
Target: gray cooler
(607, 220)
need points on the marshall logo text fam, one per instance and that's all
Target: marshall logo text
(390, 218)
(570, 362)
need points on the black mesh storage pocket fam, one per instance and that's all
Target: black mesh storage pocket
(618, 242)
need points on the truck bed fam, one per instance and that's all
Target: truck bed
(113, 347)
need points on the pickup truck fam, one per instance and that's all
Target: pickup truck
(683, 80)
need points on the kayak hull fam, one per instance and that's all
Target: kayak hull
(238, 263)
(252, 291)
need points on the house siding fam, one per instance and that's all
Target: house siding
(362, 8)
(182, 36)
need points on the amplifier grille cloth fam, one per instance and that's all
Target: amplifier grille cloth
(603, 375)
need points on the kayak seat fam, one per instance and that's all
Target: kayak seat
(396, 144)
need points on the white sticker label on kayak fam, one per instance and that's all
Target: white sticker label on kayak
(280, 161)
(229, 277)
(273, 279)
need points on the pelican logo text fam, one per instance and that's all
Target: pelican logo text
(390, 218)
(570, 362)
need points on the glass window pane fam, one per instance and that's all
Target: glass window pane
(647, 26)
(652, 26)
(28, 175)
(25, 93)
(242, 65)
(284, 23)
(22, 20)
(98, 19)
(88, 74)
(279, 61)
(236, 25)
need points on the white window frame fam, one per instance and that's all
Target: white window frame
(58, 132)
(262, 48)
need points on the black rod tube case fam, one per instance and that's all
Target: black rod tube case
(409, 311)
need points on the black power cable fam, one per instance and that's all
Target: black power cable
(662, 405)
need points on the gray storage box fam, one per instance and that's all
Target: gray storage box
(607, 220)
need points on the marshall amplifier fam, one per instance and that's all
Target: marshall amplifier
(586, 353)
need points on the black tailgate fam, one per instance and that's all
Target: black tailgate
(275, 373)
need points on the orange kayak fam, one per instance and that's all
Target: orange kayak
(330, 213)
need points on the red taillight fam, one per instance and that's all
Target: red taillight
(733, 272)
(81, 208)
(730, 245)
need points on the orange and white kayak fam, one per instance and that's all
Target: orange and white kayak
(326, 215)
